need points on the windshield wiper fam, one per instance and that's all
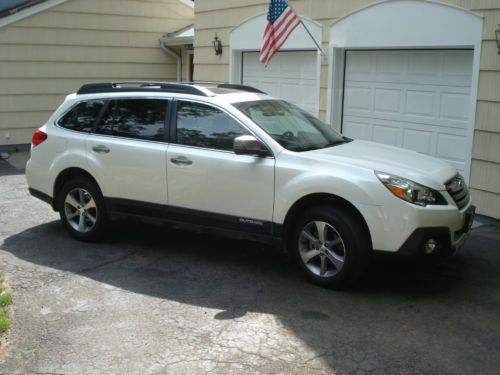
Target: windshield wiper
(317, 147)
(306, 148)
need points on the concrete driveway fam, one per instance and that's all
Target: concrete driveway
(153, 300)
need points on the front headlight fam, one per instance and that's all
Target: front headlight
(410, 191)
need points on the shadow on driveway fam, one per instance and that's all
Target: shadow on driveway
(403, 317)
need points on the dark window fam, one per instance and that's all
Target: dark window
(82, 116)
(135, 118)
(205, 126)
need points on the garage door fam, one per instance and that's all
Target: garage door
(419, 100)
(290, 75)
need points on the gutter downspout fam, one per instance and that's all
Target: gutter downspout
(169, 52)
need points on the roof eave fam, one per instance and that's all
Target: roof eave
(30, 11)
(176, 41)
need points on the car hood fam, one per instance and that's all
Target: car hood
(412, 165)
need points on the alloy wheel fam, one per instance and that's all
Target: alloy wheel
(321, 249)
(80, 210)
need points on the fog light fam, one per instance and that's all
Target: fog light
(430, 246)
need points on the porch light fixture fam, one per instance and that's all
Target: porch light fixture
(497, 33)
(216, 43)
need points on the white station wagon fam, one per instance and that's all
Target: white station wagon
(230, 159)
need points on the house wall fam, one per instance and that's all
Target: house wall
(50, 54)
(221, 16)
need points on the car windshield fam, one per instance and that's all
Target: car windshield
(292, 127)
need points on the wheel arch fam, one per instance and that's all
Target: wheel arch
(67, 175)
(317, 199)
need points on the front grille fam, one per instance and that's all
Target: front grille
(458, 191)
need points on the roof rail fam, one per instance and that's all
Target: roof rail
(239, 87)
(146, 86)
(192, 88)
(224, 85)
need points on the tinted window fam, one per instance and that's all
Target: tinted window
(82, 116)
(205, 126)
(135, 118)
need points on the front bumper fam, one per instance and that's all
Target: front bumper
(444, 240)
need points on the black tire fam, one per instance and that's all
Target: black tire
(95, 220)
(353, 248)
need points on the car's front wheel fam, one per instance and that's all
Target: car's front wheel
(331, 246)
(82, 210)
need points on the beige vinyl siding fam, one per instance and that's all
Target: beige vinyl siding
(50, 54)
(485, 167)
(221, 16)
(487, 202)
(218, 16)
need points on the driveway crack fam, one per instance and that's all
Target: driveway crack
(87, 270)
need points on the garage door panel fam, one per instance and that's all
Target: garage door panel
(420, 103)
(454, 106)
(447, 143)
(308, 98)
(418, 140)
(290, 90)
(390, 64)
(451, 147)
(291, 76)
(309, 69)
(424, 65)
(443, 124)
(457, 67)
(358, 99)
(443, 106)
(289, 67)
(361, 68)
(357, 129)
(389, 135)
(448, 67)
(388, 100)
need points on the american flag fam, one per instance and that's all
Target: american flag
(282, 20)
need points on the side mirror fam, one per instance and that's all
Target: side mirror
(248, 145)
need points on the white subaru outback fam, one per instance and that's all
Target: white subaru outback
(232, 160)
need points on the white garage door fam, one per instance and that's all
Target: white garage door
(290, 76)
(419, 100)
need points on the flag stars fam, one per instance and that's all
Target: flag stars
(276, 8)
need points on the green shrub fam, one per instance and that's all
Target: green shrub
(5, 299)
(4, 323)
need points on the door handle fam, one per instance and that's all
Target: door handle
(181, 160)
(101, 149)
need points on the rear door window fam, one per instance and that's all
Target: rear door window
(135, 118)
(82, 117)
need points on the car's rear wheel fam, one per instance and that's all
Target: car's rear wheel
(331, 246)
(82, 210)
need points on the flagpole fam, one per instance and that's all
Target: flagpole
(314, 40)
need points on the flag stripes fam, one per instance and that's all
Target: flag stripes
(282, 20)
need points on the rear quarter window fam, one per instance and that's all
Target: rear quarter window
(82, 117)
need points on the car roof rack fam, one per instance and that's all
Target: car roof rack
(146, 86)
(192, 88)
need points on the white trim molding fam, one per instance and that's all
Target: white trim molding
(248, 37)
(402, 24)
(189, 3)
(30, 11)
